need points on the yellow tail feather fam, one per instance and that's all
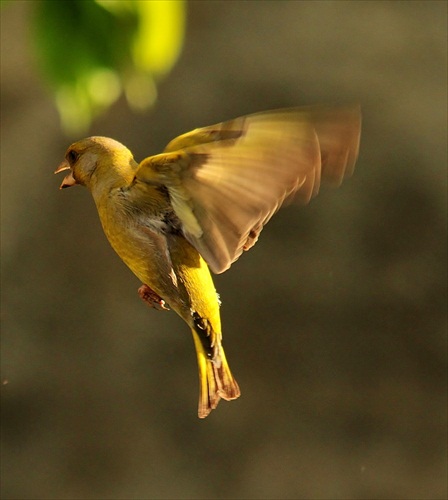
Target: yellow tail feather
(215, 379)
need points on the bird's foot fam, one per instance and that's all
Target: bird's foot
(150, 297)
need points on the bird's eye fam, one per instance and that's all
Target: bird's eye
(72, 156)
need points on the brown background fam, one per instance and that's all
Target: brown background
(334, 323)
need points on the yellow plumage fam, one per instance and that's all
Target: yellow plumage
(203, 202)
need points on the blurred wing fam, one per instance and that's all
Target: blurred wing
(339, 132)
(226, 181)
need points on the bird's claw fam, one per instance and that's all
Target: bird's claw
(150, 297)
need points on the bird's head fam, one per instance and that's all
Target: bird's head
(97, 160)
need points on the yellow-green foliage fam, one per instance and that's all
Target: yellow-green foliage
(90, 51)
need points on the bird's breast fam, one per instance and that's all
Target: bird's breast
(138, 239)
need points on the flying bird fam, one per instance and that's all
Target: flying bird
(201, 203)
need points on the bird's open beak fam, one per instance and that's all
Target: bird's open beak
(69, 180)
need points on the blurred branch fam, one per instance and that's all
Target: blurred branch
(91, 51)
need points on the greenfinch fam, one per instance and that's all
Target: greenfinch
(203, 201)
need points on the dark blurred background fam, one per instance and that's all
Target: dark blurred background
(334, 323)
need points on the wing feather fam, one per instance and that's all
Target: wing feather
(226, 181)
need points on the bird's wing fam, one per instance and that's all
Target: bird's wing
(226, 181)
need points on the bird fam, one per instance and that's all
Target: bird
(196, 207)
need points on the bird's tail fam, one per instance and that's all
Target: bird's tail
(215, 378)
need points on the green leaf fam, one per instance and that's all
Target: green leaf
(89, 51)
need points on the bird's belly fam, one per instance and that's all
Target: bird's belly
(143, 252)
(134, 250)
(167, 263)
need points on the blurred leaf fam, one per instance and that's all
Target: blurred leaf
(159, 36)
(89, 51)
